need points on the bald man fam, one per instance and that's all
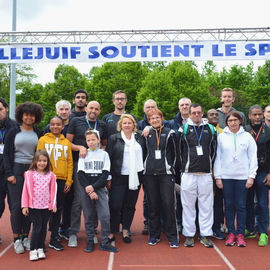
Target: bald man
(75, 134)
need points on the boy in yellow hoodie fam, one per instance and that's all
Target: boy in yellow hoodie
(59, 150)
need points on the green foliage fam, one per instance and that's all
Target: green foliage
(116, 76)
(165, 83)
(157, 85)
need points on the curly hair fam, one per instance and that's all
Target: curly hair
(31, 108)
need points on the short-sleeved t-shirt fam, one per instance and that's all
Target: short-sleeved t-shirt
(79, 125)
(111, 121)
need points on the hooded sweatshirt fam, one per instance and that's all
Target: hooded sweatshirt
(236, 155)
(59, 150)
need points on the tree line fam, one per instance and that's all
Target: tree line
(165, 83)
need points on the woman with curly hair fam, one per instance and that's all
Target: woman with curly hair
(20, 146)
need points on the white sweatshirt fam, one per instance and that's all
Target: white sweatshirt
(236, 155)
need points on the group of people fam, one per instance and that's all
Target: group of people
(81, 163)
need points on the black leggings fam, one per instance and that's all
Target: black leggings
(39, 218)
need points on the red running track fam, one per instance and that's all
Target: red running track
(137, 255)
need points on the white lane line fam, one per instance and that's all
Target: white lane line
(6, 249)
(111, 258)
(170, 266)
(223, 257)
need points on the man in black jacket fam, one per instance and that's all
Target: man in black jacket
(5, 125)
(261, 134)
(197, 145)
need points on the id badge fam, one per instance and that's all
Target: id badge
(199, 150)
(1, 149)
(157, 154)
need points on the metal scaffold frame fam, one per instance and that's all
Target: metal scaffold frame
(174, 35)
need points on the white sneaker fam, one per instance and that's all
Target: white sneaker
(41, 254)
(72, 241)
(33, 255)
(95, 239)
(18, 246)
(26, 243)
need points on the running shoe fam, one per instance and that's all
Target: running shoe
(18, 246)
(231, 239)
(189, 242)
(33, 255)
(240, 240)
(26, 243)
(263, 241)
(108, 247)
(153, 241)
(90, 246)
(249, 234)
(174, 244)
(41, 254)
(206, 241)
(72, 241)
(56, 245)
(219, 235)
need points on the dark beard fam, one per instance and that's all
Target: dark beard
(3, 122)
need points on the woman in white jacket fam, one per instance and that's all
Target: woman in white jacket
(235, 169)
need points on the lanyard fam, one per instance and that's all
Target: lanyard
(257, 135)
(234, 135)
(158, 137)
(95, 127)
(3, 134)
(198, 138)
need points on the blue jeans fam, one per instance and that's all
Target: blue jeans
(235, 196)
(262, 208)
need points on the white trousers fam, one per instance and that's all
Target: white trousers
(195, 187)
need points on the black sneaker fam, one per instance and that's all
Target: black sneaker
(108, 247)
(219, 235)
(90, 246)
(64, 233)
(56, 245)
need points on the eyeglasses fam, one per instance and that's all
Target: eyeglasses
(233, 120)
(155, 118)
(120, 99)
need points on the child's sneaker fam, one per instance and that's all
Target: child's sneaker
(263, 241)
(55, 245)
(64, 233)
(153, 241)
(219, 235)
(33, 255)
(249, 234)
(230, 240)
(41, 254)
(18, 246)
(26, 243)
(174, 244)
(240, 240)
(108, 247)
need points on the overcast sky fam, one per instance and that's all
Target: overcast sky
(40, 15)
